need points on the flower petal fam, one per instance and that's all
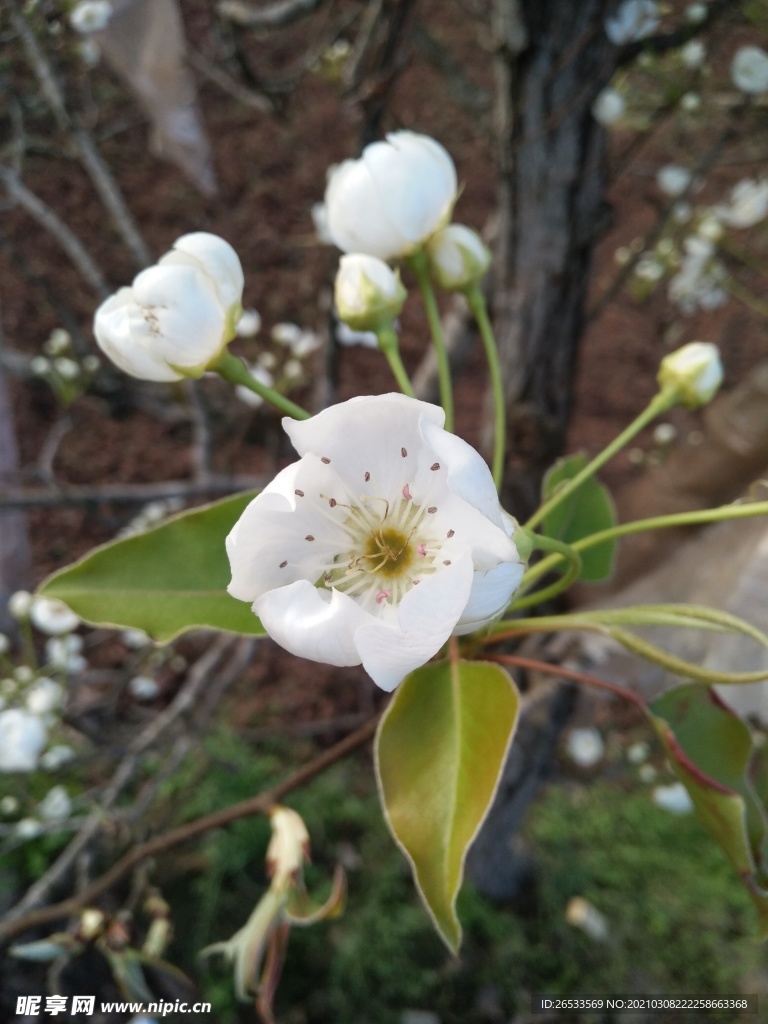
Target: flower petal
(217, 260)
(113, 326)
(491, 593)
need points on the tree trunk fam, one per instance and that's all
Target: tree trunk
(553, 59)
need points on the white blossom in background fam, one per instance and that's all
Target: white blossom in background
(609, 106)
(635, 19)
(19, 604)
(385, 538)
(28, 828)
(56, 757)
(89, 52)
(63, 653)
(367, 292)
(638, 752)
(748, 204)
(690, 101)
(458, 257)
(44, 697)
(90, 16)
(695, 13)
(391, 200)
(52, 616)
(693, 53)
(56, 805)
(650, 268)
(585, 747)
(710, 227)
(22, 738)
(698, 284)
(346, 336)
(581, 914)
(5, 644)
(673, 798)
(249, 324)
(320, 222)
(143, 688)
(673, 180)
(298, 340)
(263, 376)
(135, 639)
(179, 315)
(695, 370)
(749, 70)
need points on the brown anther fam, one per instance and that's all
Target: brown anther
(434, 466)
(332, 502)
(404, 452)
(309, 537)
(446, 561)
(283, 565)
(432, 508)
(325, 460)
(450, 533)
(367, 476)
(300, 493)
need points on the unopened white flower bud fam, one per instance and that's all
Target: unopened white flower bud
(367, 292)
(694, 371)
(52, 616)
(458, 257)
(289, 846)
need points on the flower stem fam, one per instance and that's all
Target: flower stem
(419, 264)
(389, 345)
(659, 403)
(559, 550)
(696, 518)
(477, 305)
(235, 371)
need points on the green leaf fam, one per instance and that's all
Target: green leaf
(588, 510)
(166, 581)
(440, 750)
(711, 749)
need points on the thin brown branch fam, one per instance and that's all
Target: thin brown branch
(259, 804)
(518, 661)
(129, 494)
(275, 15)
(53, 225)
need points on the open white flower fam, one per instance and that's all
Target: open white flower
(385, 538)
(749, 70)
(635, 19)
(178, 316)
(22, 738)
(393, 198)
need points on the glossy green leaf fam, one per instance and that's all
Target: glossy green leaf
(710, 749)
(166, 581)
(588, 510)
(440, 750)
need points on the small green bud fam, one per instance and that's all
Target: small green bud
(694, 372)
(458, 257)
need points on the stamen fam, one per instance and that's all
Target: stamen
(404, 452)
(325, 459)
(367, 476)
(450, 533)
(282, 565)
(299, 493)
(383, 595)
(422, 549)
(309, 537)
(434, 466)
(407, 493)
(432, 509)
(447, 561)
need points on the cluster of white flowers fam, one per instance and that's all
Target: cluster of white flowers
(699, 283)
(281, 366)
(151, 514)
(67, 375)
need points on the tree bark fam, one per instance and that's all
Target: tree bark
(553, 58)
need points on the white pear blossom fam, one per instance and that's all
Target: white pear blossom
(673, 798)
(300, 341)
(56, 757)
(385, 538)
(90, 16)
(690, 101)
(249, 324)
(19, 604)
(609, 106)
(458, 257)
(695, 13)
(22, 738)
(56, 805)
(178, 316)
(367, 292)
(52, 616)
(346, 336)
(693, 53)
(143, 688)
(673, 180)
(749, 70)
(695, 371)
(44, 697)
(635, 19)
(63, 653)
(391, 200)
(263, 376)
(585, 747)
(748, 204)
(698, 284)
